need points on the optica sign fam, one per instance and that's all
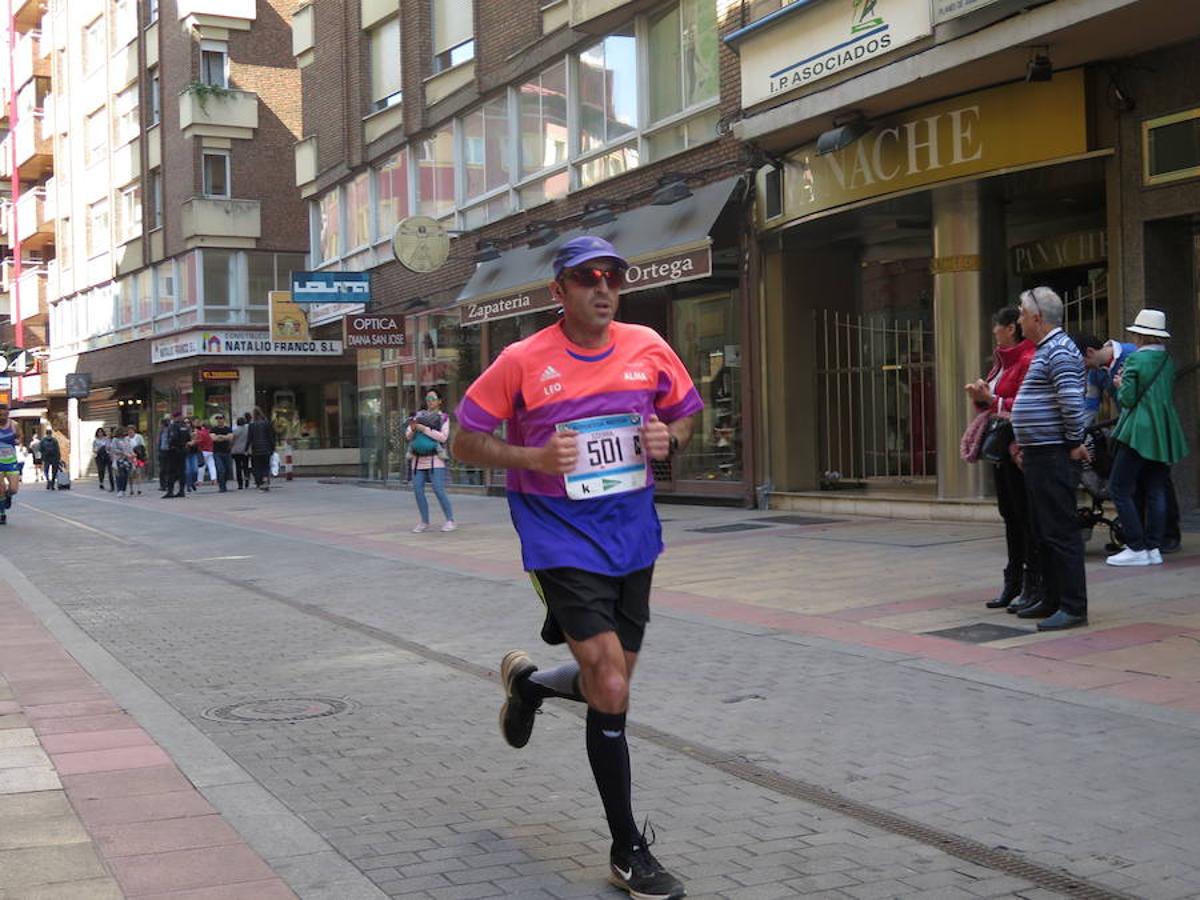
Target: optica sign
(364, 332)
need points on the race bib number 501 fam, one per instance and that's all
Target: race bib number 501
(611, 460)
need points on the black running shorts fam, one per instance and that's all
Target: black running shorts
(585, 604)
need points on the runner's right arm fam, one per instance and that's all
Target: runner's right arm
(556, 457)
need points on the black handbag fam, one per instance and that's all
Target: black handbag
(997, 439)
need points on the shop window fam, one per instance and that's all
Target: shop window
(1171, 147)
(435, 174)
(705, 335)
(453, 34)
(485, 149)
(543, 111)
(391, 187)
(327, 226)
(682, 54)
(608, 91)
(383, 46)
(358, 212)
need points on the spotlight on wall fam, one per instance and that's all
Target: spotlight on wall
(541, 234)
(486, 251)
(597, 214)
(671, 189)
(1039, 67)
(842, 134)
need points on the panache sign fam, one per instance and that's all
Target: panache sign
(673, 267)
(968, 135)
(805, 42)
(236, 343)
(366, 332)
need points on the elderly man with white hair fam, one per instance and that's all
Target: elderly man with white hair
(1049, 417)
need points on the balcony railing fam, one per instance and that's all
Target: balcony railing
(33, 227)
(228, 114)
(208, 221)
(28, 60)
(32, 293)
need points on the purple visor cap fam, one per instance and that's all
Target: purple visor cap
(582, 249)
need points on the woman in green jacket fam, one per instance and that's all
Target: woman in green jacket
(1149, 440)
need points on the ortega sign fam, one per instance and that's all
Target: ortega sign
(669, 267)
(805, 42)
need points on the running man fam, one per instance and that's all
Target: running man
(10, 466)
(588, 402)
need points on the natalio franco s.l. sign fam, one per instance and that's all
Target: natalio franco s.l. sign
(802, 44)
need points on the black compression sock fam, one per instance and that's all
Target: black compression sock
(608, 752)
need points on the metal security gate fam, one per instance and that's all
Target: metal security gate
(875, 398)
(1085, 310)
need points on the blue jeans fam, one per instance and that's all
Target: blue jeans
(438, 477)
(224, 463)
(1131, 471)
(192, 469)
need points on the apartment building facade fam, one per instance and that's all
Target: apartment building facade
(26, 219)
(448, 147)
(931, 161)
(173, 220)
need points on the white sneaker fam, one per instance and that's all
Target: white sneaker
(1155, 557)
(1130, 557)
(449, 526)
(421, 528)
(120, 493)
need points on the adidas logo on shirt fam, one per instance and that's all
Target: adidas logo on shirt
(549, 373)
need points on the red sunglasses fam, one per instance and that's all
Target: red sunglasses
(614, 278)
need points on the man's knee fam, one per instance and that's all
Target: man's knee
(606, 687)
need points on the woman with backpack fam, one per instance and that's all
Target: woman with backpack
(427, 434)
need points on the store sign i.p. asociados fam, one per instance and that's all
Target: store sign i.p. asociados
(806, 42)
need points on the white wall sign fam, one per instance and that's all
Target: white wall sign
(236, 343)
(821, 39)
(944, 10)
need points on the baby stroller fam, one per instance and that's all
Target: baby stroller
(1094, 479)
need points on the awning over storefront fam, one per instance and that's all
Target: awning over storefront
(28, 412)
(664, 245)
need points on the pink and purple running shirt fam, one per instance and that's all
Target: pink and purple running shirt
(545, 380)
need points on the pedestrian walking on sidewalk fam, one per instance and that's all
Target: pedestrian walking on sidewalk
(262, 445)
(120, 449)
(179, 436)
(35, 452)
(10, 465)
(993, 398)
(589, 402)
(427, 434)
(51, 459)
(240, 451)
(163, 449)
(1049, 417)
(1149, 439)
(222, 438)
(103, 458)
(205, 447)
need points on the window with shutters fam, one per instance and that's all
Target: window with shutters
(383, 43)
(453, 34)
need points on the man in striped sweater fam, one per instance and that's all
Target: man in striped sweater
(1049, 417)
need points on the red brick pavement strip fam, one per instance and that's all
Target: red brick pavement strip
(156, 833)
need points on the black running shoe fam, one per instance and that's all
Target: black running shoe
(516, 715)
(638, 872)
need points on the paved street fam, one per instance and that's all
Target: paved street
(318, 684)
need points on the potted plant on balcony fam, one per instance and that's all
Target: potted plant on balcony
(203, 91)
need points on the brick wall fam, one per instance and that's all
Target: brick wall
(509, 47)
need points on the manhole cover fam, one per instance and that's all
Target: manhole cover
(797, 520)
(279, 709)
(723, 529)
(980, 633)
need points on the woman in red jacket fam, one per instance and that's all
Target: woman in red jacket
(995, 395)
